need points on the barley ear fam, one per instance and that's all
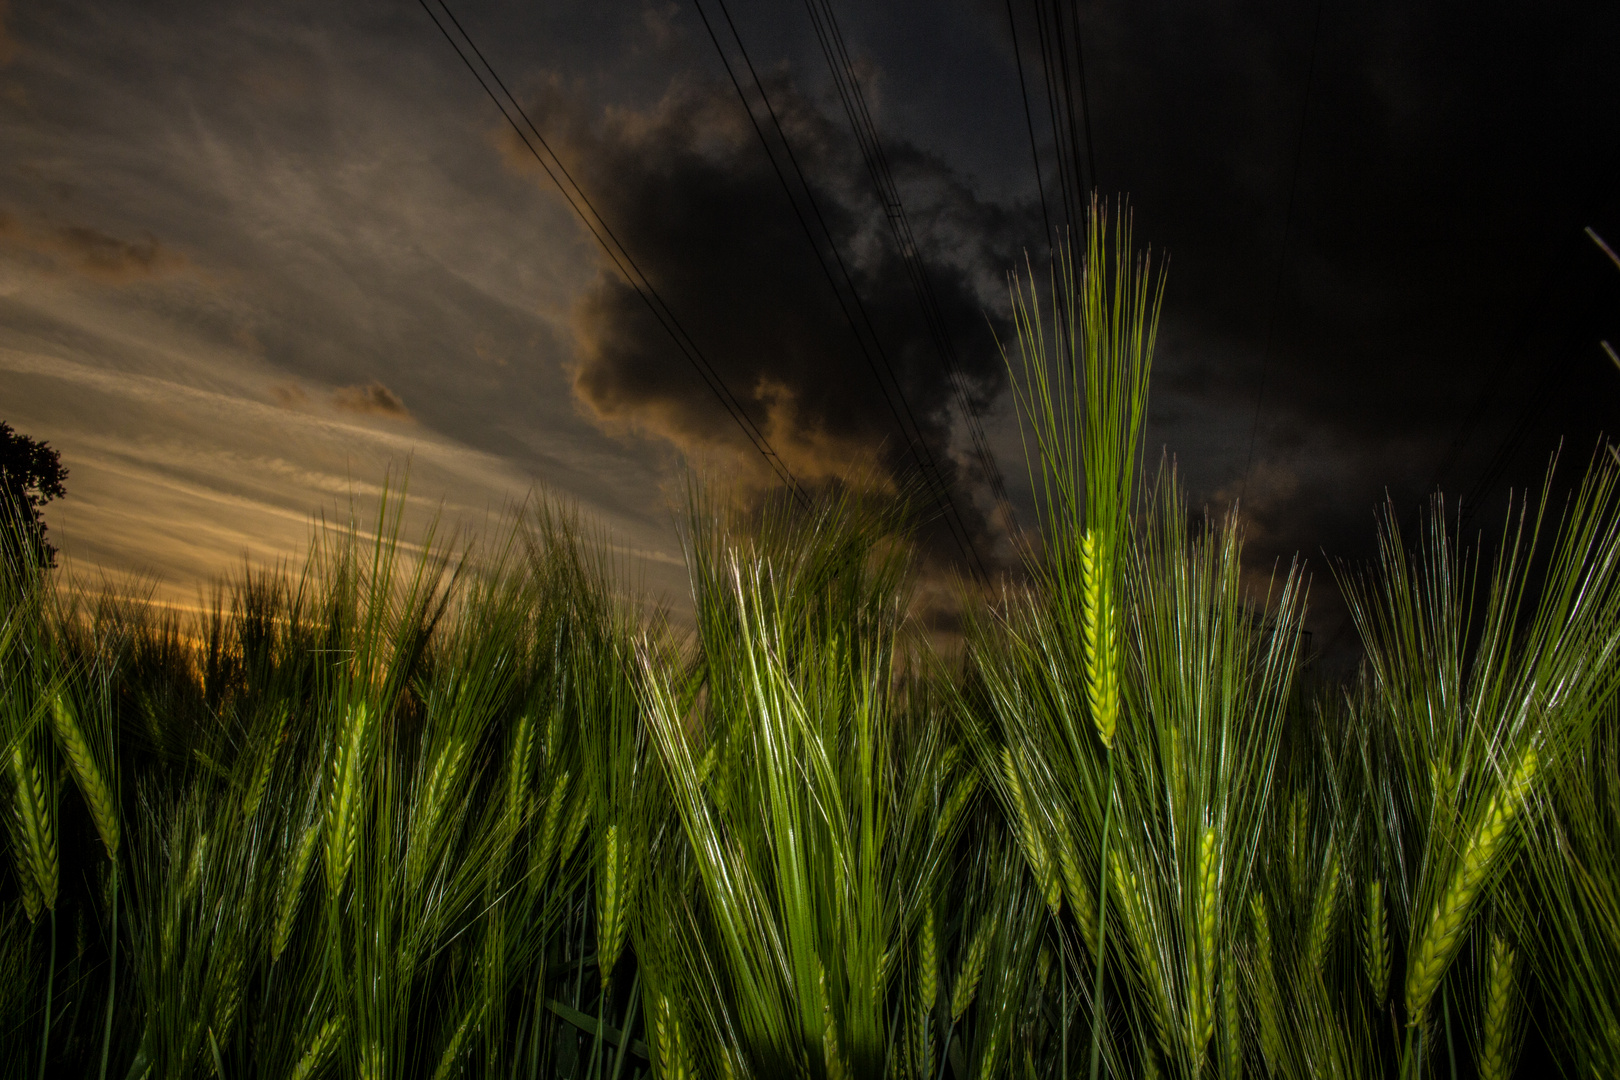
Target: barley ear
(34, 834)
(967, 979)
(552, 821)
(1326, 902)
(1267, 1003)
(1444, 933)
(610, 902)
(928, 961)
(575, 830)
(517, 776)
(831, 1055)
(98, 793)
(1077, 890)
(267, 763)
(1099, 636)
(292, 889)
(1202, 1020)
(319, 1049)
(673, 1058)
(1375, 948)
(955, 803)
(343, 802)
(1299, 830)
(1035, 850)
(452, 1051)
(1498, 1050)
(32, 903)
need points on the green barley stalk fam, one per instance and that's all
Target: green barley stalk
(1143, 942)
(1375, 948)
(261, 776)
(1041, 863)
(1100, 634)
(611, 907)
(967, 979)
(103, 803)
(34, 845)
(292, 888)
(576, 828)
(1075, 889)
(927, 989)
(1267, 1001)
(452, 1050)
(34, 842)
(1299, 840)
(1444, 932)
(1231, 1028)
(928, 961)
(343, 801)
(320, 1048)
(552, 821)
(832, 1057)
(1202, 1014)
(1498, 1042)
(1323, 907)
(956, 802)
(517, 774)
(441, 780)
(32, 902)
(669, 1041)
(98, 793)
(1084, 409)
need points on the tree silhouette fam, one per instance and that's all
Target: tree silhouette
(31, 475)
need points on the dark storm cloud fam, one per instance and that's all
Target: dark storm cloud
(1438, 307)
(688, 184)
(8, 44)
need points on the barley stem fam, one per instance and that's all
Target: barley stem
(1102, 921)
(50, 982)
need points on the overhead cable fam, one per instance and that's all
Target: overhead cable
(870, 344)
(853, 98)
(617, 253)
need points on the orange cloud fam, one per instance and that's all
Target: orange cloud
(290, 395)
(371, 399)
(91, 252)
(107, 258)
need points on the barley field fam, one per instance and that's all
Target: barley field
(425, 810)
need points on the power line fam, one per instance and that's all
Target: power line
(1029, 121)
(1049, 83)
(620, 256)
(875, 355)
(1085, 96)
(1282, 257)
(853, 98)
(1067, 102)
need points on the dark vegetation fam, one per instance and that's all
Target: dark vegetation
(31, 475)
(417, 811)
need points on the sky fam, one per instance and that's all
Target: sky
(259, 261)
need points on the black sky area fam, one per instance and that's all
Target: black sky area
(1374, 213)
(1433, 313)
